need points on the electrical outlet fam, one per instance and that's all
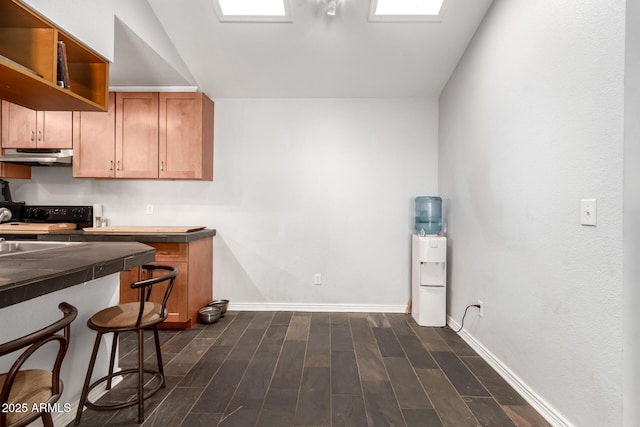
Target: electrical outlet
(481, 308)
(317, 279)
(149, 209)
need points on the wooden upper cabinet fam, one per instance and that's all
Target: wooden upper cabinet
(186, 136)
(94, 143)
(10, 170)
(26, 128)
(28, 66)
(136, 135)
(146, 135)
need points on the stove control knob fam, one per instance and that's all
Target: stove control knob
(33, 212)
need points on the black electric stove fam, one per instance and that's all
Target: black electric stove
(82, 216)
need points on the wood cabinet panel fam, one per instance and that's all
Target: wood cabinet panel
(18, 126)
(136, 135)
(156, 135)
(127, 277)
(26, 128)
(186, 136)
(177, 305)
(93, 143)
(193, 286)
(9, 170)
(171, 252)
(55, 129)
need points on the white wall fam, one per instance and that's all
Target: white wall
(301, 187)
(631, 290)
(531, 122)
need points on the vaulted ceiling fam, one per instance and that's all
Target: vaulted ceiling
(182, 43)
(314, 56)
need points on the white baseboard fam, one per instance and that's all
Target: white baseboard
(535, 400)
(343, 308)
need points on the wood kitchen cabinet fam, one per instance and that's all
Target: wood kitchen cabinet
(94, 143)
(193, 286)
(155, 135)
(136, 140)
(186, 136)
(121, 143)
(28, 64)
(26, 128)
(9, 170)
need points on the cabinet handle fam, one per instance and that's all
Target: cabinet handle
(111, 165)
(164, 253)
(161, 166)
(118, 165)
(39, 135)
(33, 135)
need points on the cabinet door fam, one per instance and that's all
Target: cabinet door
(9, 170)
(18, 126)
(137, 135)
(94, 143)
(186, 136)
(175, 255)
(177, 303)
(127, 277)
(54, 129)
(25, 128)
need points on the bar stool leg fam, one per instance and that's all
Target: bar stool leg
(140, 376)
(159, 354)
(112, 359)
(47, 420)
(87, 380)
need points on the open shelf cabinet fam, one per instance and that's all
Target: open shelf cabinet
(28, 64)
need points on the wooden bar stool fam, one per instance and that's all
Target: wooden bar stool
(22, 389)
(135, 316)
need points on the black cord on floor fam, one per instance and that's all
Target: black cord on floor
(465, 313)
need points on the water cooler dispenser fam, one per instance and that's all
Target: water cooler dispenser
(429, 280)
(429, 264)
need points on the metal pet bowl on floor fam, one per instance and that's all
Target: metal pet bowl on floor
(222, 304)
(209, 315)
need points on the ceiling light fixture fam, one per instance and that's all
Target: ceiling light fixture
(331, 7)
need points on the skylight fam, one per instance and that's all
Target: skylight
(253, 10)
(405, 10)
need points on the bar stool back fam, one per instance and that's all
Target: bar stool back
(29, 389)
(135, 316)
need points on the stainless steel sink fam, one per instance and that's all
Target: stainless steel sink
(14, 247)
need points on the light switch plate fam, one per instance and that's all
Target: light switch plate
(588, 212)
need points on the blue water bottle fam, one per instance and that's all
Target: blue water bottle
(428, 214)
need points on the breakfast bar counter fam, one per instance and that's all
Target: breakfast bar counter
(190, 252)
(146, 237)
(30, 275)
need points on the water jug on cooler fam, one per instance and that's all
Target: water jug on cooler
(428, 216)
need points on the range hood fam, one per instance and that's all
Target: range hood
(37, 157)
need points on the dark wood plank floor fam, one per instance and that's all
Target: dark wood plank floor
(319, 369)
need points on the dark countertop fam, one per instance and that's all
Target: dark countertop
(30, 275)
(82, 236)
